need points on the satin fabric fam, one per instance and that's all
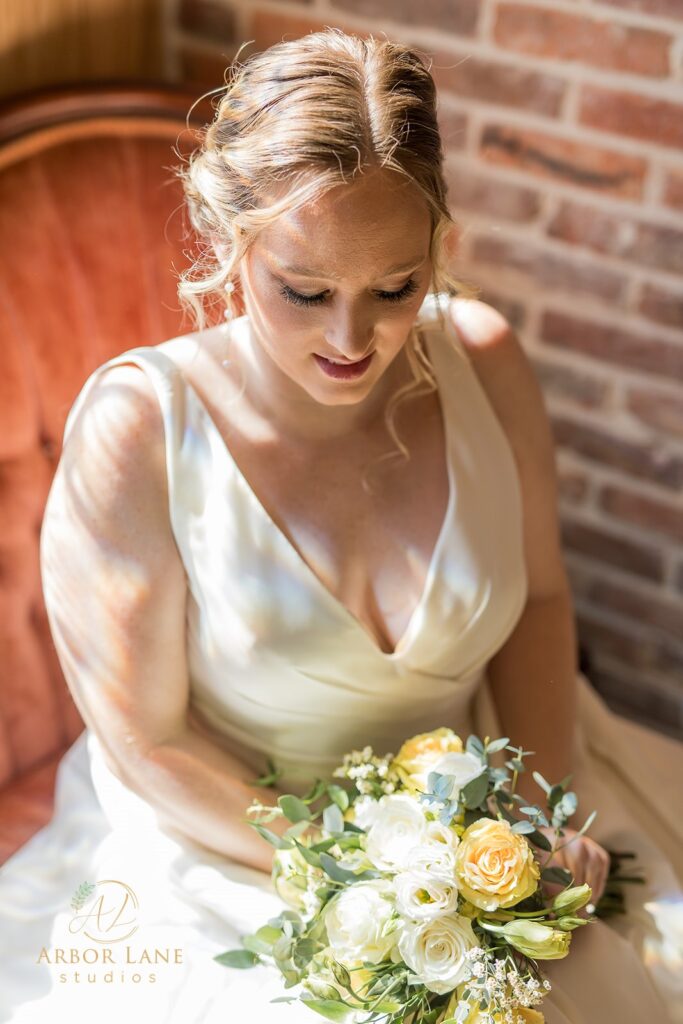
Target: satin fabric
(280, 669)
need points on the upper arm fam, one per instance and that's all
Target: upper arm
(515, 394)
(114, 584)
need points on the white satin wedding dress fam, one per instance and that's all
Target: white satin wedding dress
(280, 668)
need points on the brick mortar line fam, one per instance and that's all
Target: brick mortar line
(644, 680)
(429, 36)
(506, 175)
(602, 312)
(663, 683)
(567, 131)
(580, 569)
(558, 189)
(595, 515)
(615, 619)
(605, 12)
(516, 117)
(590, 417)
(604, 475)
(606, 617)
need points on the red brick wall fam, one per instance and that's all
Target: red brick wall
(563, 126)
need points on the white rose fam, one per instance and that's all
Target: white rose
(423, 895)
(399, 826)
(435, 950)
(464, 767)
(355, 921)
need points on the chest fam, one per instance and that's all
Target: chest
(369, 545)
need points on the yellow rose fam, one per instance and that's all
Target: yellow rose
(494, 866)
(420, 753)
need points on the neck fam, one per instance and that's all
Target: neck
(277, 399)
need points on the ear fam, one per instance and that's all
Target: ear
(219, 248)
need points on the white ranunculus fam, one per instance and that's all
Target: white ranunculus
(464, 767)
(365, 810)
(438, 852)
(355, 920)
(435, 950)
(399, 826)
(423, 895)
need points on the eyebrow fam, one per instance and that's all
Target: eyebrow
(399, 268)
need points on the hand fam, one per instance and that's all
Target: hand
(585, 859)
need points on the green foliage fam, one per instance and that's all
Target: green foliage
(293, 808)
(241, 958)
(81, 895)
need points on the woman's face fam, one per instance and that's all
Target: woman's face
(340, 279)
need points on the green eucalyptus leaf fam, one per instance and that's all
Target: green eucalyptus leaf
(475, 791)
(569, 803)
(339, 795)
(588, 822)
(331, 1010)
(272, 837)
(316, 790)
(339, 874)
(333, 819)
(541, 781)
(556, 874)
(309, 854)
(474, 746)
(523, 827)
(293, 808)
(350, 827)
(240, 958)
(541, 840)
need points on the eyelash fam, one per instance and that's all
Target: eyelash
(315, 300)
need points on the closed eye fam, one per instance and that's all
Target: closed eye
(314, 300)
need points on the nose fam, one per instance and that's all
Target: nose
(350, 342)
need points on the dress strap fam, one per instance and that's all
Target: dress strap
(168, 386)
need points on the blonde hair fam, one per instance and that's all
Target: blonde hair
(303, 117)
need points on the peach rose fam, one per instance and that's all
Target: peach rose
(494, 866)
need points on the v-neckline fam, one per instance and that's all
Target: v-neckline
(407, 637)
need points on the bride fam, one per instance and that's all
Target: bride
(330, 521)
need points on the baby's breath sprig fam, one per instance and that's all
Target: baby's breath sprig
(372, 775)
(499, 987)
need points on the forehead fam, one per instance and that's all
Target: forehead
(378, 221)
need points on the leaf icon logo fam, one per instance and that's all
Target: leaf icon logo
(81, 895)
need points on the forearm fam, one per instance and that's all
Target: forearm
(533, 684)
(201, 789)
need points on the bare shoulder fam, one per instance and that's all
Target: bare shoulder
(113, 580)
(515, 394)
(113, 475)
(505, 372)
(117, 438)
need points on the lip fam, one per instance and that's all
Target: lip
(343, 371)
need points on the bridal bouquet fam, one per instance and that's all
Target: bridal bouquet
(415, 893)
